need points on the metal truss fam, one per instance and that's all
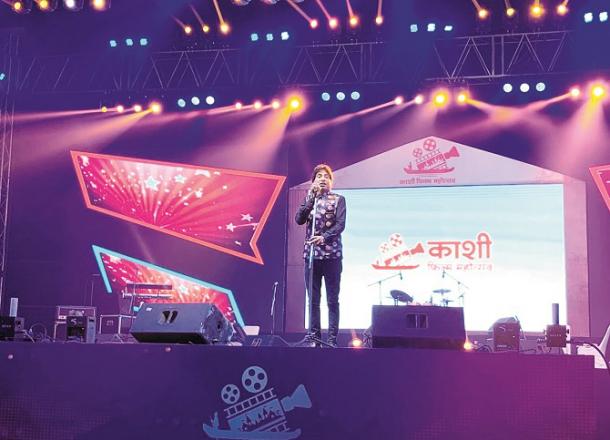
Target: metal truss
(485, 58)
(9, 45)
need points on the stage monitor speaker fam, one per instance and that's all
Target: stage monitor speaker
(418, 327)
(80, 328)
(196, 323)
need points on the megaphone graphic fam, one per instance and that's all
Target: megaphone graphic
(298, 399)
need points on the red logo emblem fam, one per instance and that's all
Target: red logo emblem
(430, 160)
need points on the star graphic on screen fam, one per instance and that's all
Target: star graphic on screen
(85, 160)
(183, 289)
(180, 178)
(231, 227)
(246, 217)
(199, 194)
(152, 183)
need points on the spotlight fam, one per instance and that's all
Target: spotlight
(225, 28)
(356, 343)
(113, 43)
(483, 13)
(258, 105)
(143, 42)
(205, 28)
(340, 96)
(333, 23)
(195, 100)
(536, 10)
(598, 91)
(181, 103)
(284, 36)
(575, 92)
(468, 346)
(510, 12)
(275, 104)
(524, 87)
(269, 37)
(355, 96)
(603, 16)
(129, 42)
(448, 28)
(104, 109)
(313, 23)
(18, 6)
(295, 103)
(209, 100)
(431, 27)
(2, 76)
(507, 87)
(22, 6)
(137, 108)
(120, 108)
(73, 5)
(562, 9)
(462, 97)
(540, 87)
(325, 96)
(47, 5)
(419, 99)
(238, 105)
(100, 5)
(441, 98)
(379, 20)
(413, 28)
(253, 37)
(156, 108)
(588, 17)
(188, 30)
(399, 100)
(353, 21)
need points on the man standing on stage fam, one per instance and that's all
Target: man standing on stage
(324, 239)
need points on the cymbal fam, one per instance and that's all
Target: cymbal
(441, 291)
(401, 296)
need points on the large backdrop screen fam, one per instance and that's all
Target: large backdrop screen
(497, 250)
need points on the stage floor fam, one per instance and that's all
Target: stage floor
(160, 391)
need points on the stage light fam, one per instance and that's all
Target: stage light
(100, 5)
(313, 23)
(413, 28)
(113, 43)
(284, 36)
(448, 28)
(333, 23)
(143, 42)
(18, 6)
(524, 87)
(399, 100)
(510, 12)
(419, 99)
(379, 20)
(205, 28)
(295, 103)
(195, 100)
(225, 28)
(210, 100)
(355, 96)
(2, 76)
(137, 108)
(588, 17)
(45, 5)
(507, 87)
(74, 5)
(120, 108)
(462, 97)
(156, 108)
(540, 87)
(104, 109)
(129, 42)
(536, 10)
(258, 105)
(562, 8)
(340, 96)
(575, 92)
(353, 21)
(603, 16)
(431, 27)
(181, 103)
(275, 104)
(325, 96)
(483, 13)
(598, 91)
(253, 37)
(238, 105)
(441, 98)
(468, 346)
(356, 343)
(22, 6)
(188, 30)
(269, 37)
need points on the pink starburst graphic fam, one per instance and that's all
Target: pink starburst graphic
(223, 209)
(118, 271)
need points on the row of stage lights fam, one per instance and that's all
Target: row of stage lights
(589, 17)
(536, 9)
(430, 27)
(524, 87)
(129, 42)
(340, 96)
(284, 36)
(25, 6)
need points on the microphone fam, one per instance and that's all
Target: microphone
(273, 299)
(443, 276)
(400, 275)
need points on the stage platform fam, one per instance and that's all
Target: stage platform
(160, 391)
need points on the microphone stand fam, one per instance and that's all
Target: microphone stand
(460, 286)
(273, 309)
(379, 282)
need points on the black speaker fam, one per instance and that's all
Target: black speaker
(81, 329)
(418, 327)
(11, 328)
(196, 323)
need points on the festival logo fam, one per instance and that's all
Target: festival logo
(260, 416)
(394, 254)
(430, 160)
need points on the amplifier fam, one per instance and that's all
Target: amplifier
(11, 326)
(115, 324)
(80, 328)
(62, 312)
